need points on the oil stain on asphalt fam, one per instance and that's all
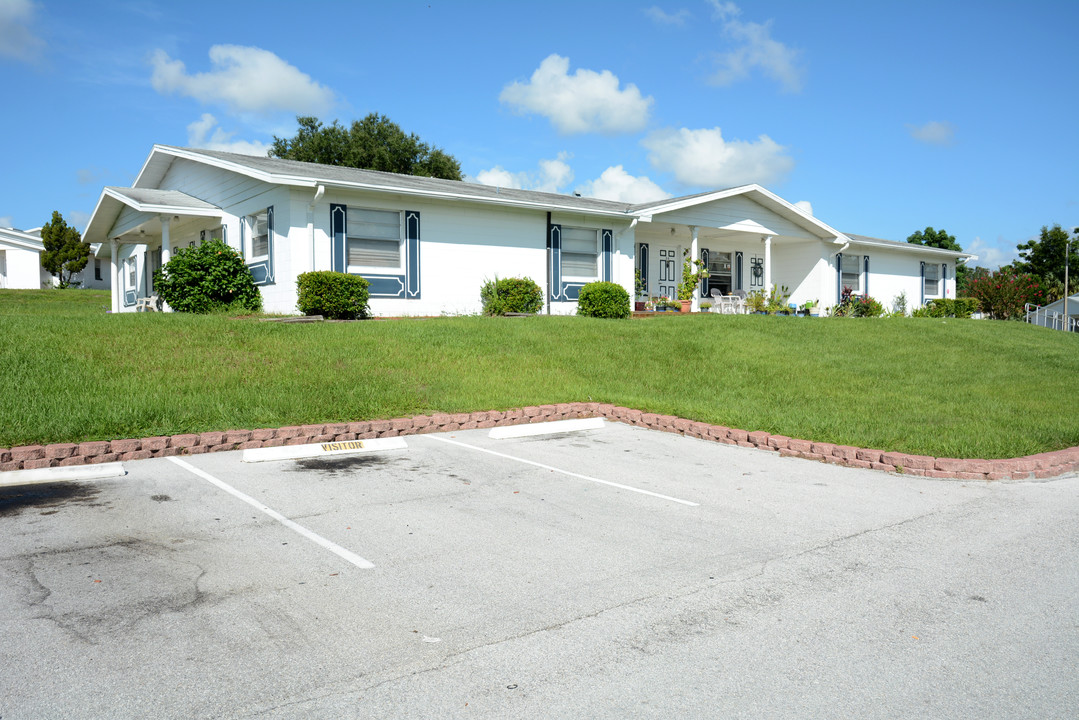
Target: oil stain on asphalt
(48, 498)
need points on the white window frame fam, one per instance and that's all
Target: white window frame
(131, 273)
(397, 269)
(856, 288)
(97, 269)
(251, 222)
(581, 278)
(936, 281)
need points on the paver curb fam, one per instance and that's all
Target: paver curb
(1041, 465)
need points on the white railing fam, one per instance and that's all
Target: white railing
(1038, 315)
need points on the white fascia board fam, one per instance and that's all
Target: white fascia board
(307, 181)
(155, 209)
(21, 239)
(913, 248)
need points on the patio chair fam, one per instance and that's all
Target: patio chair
(148, 304)
(717, 300)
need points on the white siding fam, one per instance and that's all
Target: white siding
(22, 269)
(737, 213)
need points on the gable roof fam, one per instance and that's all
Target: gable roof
(20, 239)
(908, 247)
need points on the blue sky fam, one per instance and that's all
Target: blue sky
(884, 117)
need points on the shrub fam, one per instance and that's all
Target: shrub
(603, 300)
(207, 278)
(851, 305)
(949, 308)
(511, 295)
(1003, 293)
(334, 295)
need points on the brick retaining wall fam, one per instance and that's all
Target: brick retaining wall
(1042, 465)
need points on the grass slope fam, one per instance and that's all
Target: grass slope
(71, 372)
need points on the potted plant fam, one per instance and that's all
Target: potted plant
(756, 302)
(693, 271)
(807, 308)
(706, 305)
(641, 288)
(776, 301)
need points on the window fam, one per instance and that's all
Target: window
(931, 284)
(852, 273)
(580, 253)
(132, 282)
(97, 269)
(259, 226)
(719, 274)
(373, 239)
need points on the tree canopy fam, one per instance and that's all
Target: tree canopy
(1044, 257)
(65, 252)
(935, 238)
(374, 143)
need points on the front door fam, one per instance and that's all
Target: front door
(668, 273)
(756, 273)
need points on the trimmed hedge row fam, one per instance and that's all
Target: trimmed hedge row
(333, 295)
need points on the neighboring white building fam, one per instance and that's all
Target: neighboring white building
(20, 261)
(427, 245)
(1055, 316)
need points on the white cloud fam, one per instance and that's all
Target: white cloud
(244, 79)
(703, 158)
(7, 221)
(17, 40)
(755, 49)
(586, 101)
(662, 18)
(199, 136)
(933, 132)
(805, 206)
(991, 256)
(616, 184)
(552, 176)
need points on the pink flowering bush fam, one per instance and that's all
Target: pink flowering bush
(1003, 293)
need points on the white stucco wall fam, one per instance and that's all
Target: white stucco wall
(22, 268)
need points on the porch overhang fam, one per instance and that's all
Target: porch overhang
(141, 223)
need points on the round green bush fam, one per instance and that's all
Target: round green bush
(333, 295)
(511, 295)
(207, 278)
(603, 300)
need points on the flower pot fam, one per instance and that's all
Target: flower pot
(687, 305)
(638, 306)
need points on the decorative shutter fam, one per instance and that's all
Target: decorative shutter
(338, 220)
(554, 245)
(412, 254)
(243, 235)
(922, 302)
(607, 247)
(704, 284)
(269, 246)
(642, 262)
(738, 271)
(865, 280)
(944, 279)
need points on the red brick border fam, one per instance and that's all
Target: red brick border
(1042, 465)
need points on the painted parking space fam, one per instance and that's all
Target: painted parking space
(178, 590)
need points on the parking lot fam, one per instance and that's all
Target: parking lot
(607, 572)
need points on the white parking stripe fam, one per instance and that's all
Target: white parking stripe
(318, 539)
(559, 470)
(545, 428)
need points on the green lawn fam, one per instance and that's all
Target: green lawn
(72, 372)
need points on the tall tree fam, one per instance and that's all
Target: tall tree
(941, 239)
(374, 143)
(65, 252)
(1044, 257)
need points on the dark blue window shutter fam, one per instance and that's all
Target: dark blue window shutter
(738, 271)
(412, 254)
(642, 262)
(704, 284)
(555, 244)
(608, 248)
(269, 245)
(944, 280)
(922, 302)
(865, 281)
(338, 223)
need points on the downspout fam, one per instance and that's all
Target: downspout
(311, 220)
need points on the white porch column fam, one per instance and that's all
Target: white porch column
(166, 243)
(767, 263)
(694, 254)
(115, 284)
